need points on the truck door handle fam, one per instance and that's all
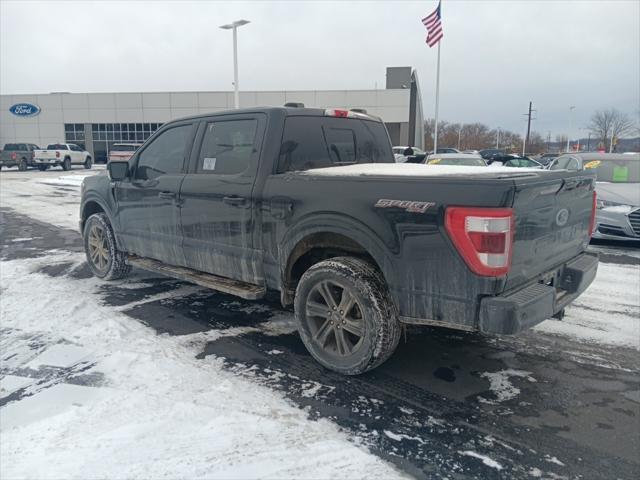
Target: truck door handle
(234, 200)
(167, 195)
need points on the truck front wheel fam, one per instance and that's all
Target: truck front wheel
(345, 315)
(105, 261)
(66, 164)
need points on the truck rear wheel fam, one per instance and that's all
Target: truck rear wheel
(88, 163)
(345, 315)
(104, 259)
(22, 165)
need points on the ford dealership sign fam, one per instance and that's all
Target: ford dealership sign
(24, 109)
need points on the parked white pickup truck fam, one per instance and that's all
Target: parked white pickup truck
(63, 155)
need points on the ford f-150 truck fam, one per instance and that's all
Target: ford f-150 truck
(17, 154)
(310, 203)
(64, 155)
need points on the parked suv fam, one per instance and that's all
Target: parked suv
(310, 203)
(20, 154)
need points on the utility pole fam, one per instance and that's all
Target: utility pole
(526, 141)
(498, 139)
(459, 133)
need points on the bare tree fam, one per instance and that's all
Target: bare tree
(606, 125)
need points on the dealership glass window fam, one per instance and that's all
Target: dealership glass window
(74, 132)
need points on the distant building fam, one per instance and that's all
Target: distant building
(99, 120)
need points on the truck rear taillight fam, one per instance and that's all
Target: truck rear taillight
(57, 154)
(483, 237)
(343, 113)
(592, 220)
(13, 156)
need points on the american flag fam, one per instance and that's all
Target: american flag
(434, 27)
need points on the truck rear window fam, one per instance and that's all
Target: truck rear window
(317, 142)
(56, 146)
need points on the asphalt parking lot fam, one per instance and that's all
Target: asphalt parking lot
(535, 405)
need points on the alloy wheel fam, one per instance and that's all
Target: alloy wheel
(335, 318)
(98, 248)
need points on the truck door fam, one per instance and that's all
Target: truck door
(148, 207)
(216, 196)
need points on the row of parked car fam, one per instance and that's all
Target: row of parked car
(618, 185)
(65, 155)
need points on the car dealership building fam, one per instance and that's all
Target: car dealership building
(97, 121)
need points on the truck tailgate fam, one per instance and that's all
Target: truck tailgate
(552, 218)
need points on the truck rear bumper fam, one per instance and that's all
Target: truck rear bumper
(521, 309)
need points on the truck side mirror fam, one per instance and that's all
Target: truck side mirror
(118, 170)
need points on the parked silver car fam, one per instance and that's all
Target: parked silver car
(617, 188)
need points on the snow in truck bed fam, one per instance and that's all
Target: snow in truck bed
(412, 170)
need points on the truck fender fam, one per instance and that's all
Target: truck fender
(293, 244)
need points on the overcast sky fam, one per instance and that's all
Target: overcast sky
(496, 55)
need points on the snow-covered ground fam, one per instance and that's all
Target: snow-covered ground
(149, 388)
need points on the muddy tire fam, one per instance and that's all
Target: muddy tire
(345, 315)
(66, 164)
(88, 163)
(104, 259)
(22, 165)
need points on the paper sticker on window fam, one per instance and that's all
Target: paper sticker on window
(592, 164)
(209, 164)
(435, 161)
(620, 174)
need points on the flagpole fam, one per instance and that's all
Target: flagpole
(435, 136)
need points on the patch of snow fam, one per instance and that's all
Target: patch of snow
(501, 386)
(489, 462)
(67, 180)
(13, 383)
(414, 170)
(275, 352)
(44, 405)
(26, 239)
(607, 313)
(551, 459)
(398, 437)
(161, 412)
(407, 411)
(535, 472)
(61, 355)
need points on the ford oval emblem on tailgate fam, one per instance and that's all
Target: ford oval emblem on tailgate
(24, 109)
(562, 217)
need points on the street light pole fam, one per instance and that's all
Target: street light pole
(236, 88)
(498, 139)
(459, 133)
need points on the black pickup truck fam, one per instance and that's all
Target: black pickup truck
(310, 203)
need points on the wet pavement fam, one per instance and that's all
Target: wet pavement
(447, 404)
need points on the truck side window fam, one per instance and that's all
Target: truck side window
(165, 155)
(227, 147)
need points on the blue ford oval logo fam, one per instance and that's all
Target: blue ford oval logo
(24, 109)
